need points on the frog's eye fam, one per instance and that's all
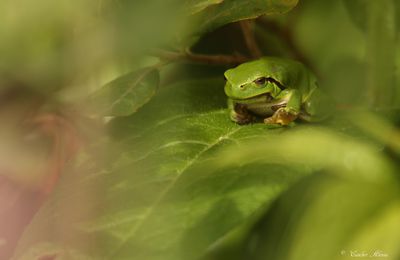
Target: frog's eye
(260, 81)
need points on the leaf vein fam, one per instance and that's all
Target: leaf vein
(181, 171)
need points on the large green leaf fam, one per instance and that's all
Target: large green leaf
(160, 194)
(126, 94)
(179, 176)
(235, 10)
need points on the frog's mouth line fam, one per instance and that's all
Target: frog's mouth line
(264, 97)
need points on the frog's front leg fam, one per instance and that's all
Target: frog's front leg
(239, 113)
(289, 113)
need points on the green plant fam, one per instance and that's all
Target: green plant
(168, 175)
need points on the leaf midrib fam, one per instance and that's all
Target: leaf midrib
(157, 201)
(129, 89)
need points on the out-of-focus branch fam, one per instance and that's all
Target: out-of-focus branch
(198, 58)
(247, 27)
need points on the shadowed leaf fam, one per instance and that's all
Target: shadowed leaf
(235, 10)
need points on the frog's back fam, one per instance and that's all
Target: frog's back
(289, 73)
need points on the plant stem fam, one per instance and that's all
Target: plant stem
(199, 58)
(249, 38)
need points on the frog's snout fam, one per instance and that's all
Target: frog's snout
(243, 87)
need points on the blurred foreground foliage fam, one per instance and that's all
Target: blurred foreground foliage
(168, 175)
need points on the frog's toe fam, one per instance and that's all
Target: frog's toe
(281, 117)
(242, 119)
(276, 121)
(270, 120)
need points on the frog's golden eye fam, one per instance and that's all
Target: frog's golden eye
(260, 81)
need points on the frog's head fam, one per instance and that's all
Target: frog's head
(252, 79)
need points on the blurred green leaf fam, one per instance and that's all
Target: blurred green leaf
(381, 53)
(358, 11)
(160, 195)
(381, 23)
(384, 132)
(324, 217)
(54, 251)
(317, 147)
(50, 46)
(232, 11)
(314, 24)
(126, 94)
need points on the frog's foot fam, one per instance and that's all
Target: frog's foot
(282, 116)
(242, 119)
(241, 116)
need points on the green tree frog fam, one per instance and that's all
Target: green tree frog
(275, 89)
